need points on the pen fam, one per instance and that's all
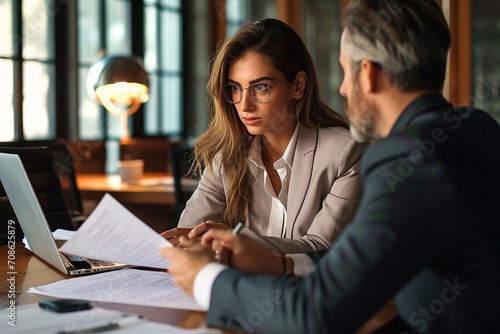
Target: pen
(238, 228)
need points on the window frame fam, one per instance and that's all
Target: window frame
(194, 117)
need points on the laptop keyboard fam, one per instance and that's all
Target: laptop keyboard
(99, 263)
(95, 263)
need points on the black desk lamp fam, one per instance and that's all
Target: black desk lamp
(120, 84)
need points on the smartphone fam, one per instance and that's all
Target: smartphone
(65, 305)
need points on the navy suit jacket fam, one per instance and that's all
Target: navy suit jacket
(426, 233)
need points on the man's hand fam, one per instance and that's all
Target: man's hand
(187, 262)
(243, 253)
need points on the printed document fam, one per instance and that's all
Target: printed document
(33, 319)
(125, 286)
(113, 233)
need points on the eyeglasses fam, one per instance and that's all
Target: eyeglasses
(259, 92)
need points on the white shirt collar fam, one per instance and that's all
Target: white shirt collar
(255, 152)
(290, 149)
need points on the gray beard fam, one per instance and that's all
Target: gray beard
(359, 136)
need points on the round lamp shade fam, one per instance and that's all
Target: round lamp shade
(119, 83)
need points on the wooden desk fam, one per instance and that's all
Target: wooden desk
(32, 271)
(151, 199)
(151, 189)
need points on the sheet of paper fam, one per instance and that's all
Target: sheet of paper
(62, 234)
(113, 233)
(125, 286)
(33, 319)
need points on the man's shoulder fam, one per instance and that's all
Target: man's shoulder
(435, 137)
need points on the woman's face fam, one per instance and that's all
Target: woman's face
(273, 118)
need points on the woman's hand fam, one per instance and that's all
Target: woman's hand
(201, 229)
(174, 234)
(195, 234)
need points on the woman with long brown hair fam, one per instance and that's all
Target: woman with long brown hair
(266, 158)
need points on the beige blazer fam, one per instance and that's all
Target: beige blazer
(324, 190)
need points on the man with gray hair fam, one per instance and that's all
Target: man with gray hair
(426, 232)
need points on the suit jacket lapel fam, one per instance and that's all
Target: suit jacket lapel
(303, 162)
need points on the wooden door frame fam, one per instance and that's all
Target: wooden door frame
(460, 83)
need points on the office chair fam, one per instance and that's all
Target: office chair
(65, 169)
(41, 167)
(181, 159)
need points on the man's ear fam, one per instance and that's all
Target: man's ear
(368, 74)
(300, 84)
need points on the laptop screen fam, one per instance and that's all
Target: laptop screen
(39, 165)
(30, 216)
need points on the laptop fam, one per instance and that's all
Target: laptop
(34, 224)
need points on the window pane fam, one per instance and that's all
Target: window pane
(485, 56)
(118, 25)
(322, 38)
(6, 34)
(39, 101)
(236, 10)
(170, 41)
(150, 59)
(38, 29)
(236, 14)
(171, 3)
(260, 9)
(171, 105)
(239, 12)
(151, 108)
(6, 105)
(89, 119)
(88, 30)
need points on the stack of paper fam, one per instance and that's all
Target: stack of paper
(125, 286)
(33, 319)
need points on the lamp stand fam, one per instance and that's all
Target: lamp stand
(124, 127)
